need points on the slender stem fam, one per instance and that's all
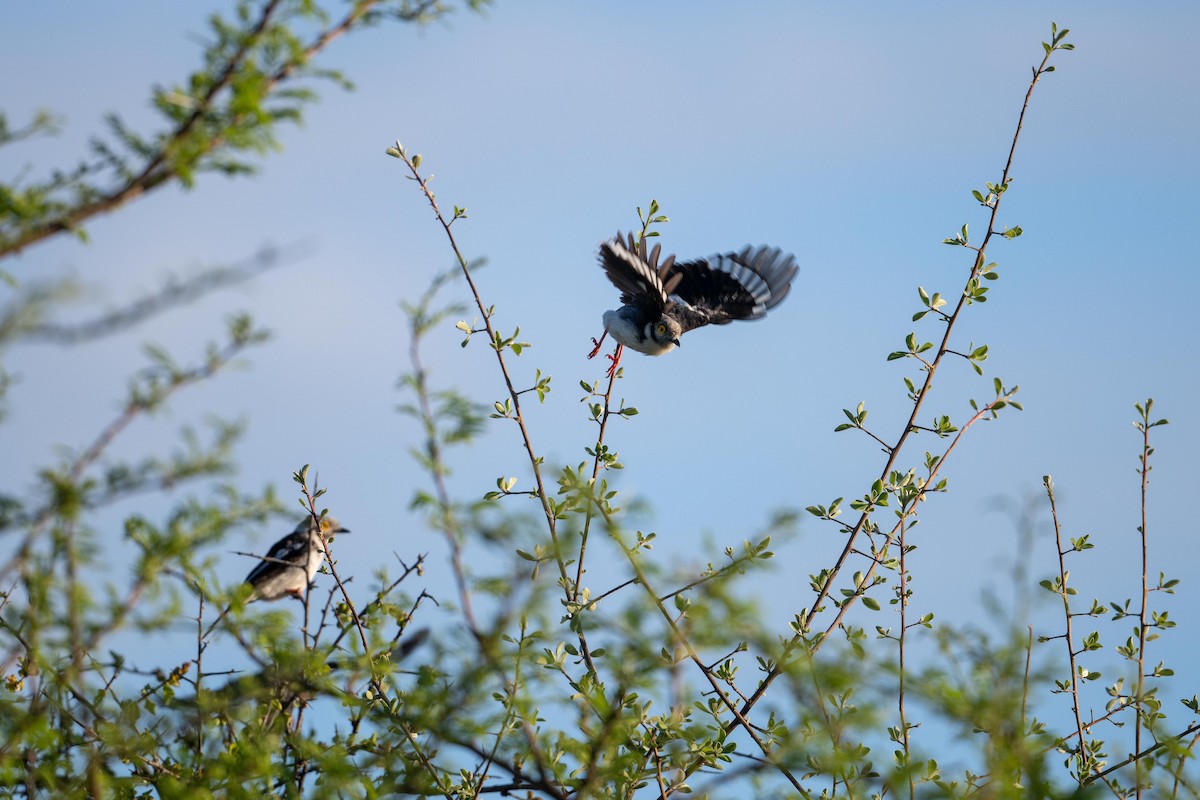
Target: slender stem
(877, 558)
(1187, 754)
(197, 685)
(894, 452)
(1141, 653)
(1136, 758)
(535, 461)
(1081, 760)
(812, 645)
(510, 701)
(903, 638)
(447, 523)
(73, 598)
(381, 693)
(1025, 683)
(683, 641)
(587, 522)
(823, 707)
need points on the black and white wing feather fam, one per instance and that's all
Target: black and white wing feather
(722, 288)
(636, 274)
(289, 553)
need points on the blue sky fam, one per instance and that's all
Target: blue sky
(848, 135)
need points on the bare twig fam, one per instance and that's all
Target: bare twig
(174, 293)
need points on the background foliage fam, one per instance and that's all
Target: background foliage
(570, 656)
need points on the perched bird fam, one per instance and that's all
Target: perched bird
(662, 302)
(290, 565)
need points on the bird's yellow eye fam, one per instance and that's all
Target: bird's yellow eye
(662, 328)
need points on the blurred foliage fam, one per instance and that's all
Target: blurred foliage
(671, 678)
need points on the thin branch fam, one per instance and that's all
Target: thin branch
(587, 522)
(437, 468)
(1141, 629)
(903, 673)
(160, 167)
(682, 639)
(1137, 757)
(175, 293)
(381, 693)
(158, 170)
(894, 452)
(141, 402)
(1082, 761)
(535, 461)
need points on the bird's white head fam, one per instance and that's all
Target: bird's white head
(665, 333)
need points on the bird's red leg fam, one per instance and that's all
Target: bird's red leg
(616, 359)
(598, 342)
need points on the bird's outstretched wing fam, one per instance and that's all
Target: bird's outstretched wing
(636, 273)
(722, 288)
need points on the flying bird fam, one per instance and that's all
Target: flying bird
(662, 302)
(290, 565)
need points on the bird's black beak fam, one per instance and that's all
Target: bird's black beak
(676, 341)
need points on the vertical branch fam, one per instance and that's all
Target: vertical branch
(200, 646)
(382, 695)
(296, 723)
(823, 707)
(73, 597)
(931, 368)
(421, 318)
(1025, 683)
(912, 787)
(494, 340)
(652, 217)
(1187, 753)
(1081, 761)
(433, 447)
(510, 702)
(1141, 653)
(605, 413)
(977, 270)
(1143, 425)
